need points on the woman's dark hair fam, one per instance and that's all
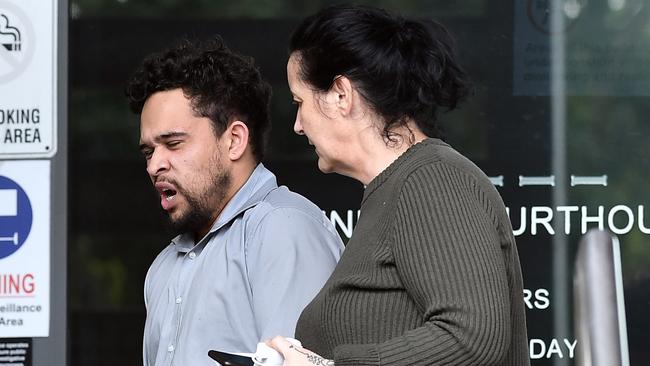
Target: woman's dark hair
(403, 69)
(221, 84)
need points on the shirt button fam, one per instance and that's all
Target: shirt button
(192, 255)
(179, 300)
(170, 348)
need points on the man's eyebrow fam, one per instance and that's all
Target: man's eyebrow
(163, 137)
(169, 135)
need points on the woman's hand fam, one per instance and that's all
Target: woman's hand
(295, 355)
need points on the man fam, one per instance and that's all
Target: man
(250, 255)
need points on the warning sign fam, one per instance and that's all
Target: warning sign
(28, 84)
(24, 248)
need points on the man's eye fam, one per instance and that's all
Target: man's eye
(147, 154)
(173, 143)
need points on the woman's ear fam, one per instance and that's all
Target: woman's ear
(341, 94)
(237, 139)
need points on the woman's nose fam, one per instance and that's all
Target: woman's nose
(297, 127)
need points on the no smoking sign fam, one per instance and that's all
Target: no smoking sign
(28, 79)
(17, 41)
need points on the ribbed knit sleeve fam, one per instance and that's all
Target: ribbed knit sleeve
(447, 253)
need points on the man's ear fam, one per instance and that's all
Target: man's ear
(341, 95)
(237, 138)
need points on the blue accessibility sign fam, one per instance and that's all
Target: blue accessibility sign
(15, 216)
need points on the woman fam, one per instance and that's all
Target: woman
(431, 275)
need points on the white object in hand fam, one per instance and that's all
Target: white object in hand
(267, 356)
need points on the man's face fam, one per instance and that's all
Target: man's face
(184, 160)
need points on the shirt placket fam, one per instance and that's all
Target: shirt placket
(179, 298)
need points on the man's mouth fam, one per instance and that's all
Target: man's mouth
(167, 192)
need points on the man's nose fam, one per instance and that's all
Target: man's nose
(158, 163)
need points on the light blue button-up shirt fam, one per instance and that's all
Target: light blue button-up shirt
(267, 255)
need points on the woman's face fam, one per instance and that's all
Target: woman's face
(317, 118)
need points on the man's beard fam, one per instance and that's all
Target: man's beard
(201, 207)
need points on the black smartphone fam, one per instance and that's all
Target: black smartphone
(230, 359)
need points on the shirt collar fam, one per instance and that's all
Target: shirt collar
(258, 185)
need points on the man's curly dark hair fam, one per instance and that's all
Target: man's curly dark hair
(222, 85)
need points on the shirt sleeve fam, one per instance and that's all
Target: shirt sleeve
(448, 255)
(145, 361)
(289, 257)
(146, 291)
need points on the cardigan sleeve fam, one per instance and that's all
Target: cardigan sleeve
(448, 256)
